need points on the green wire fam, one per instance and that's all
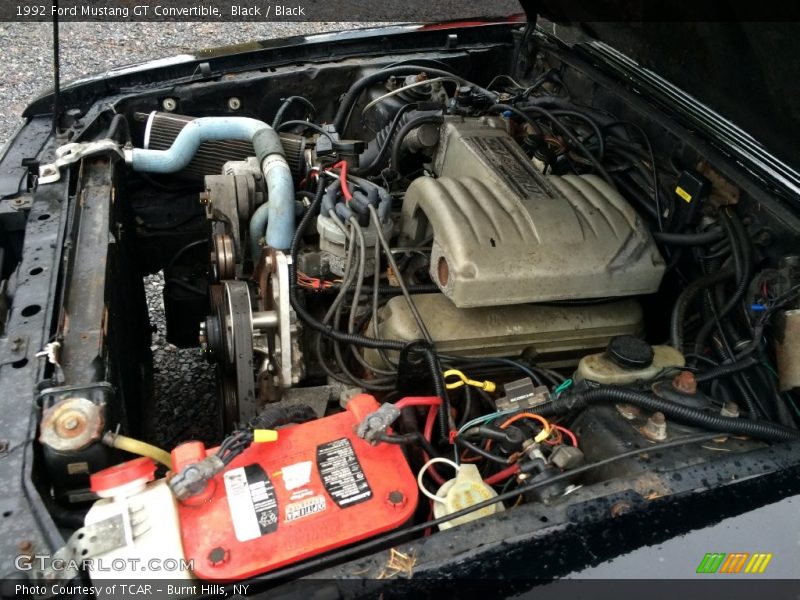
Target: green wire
(564, 385)
(794, 406)
(770, 369)
(492, 416)
(479, 421)
(485, 418)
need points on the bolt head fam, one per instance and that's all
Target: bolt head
(656, 427)
(685, 382)
(396, 498)
(764, 238)
(169, 104)
(620, 508)
(234, 103)
(218, 556)
(730, 409)
(628, 411)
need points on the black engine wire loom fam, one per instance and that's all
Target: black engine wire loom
(729, 296)
(709, 249)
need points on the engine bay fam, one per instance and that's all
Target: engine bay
(435, 289)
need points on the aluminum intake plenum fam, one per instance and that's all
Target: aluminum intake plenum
(505, 234)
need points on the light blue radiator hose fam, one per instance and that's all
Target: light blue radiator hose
(269, 151)
(259, 223)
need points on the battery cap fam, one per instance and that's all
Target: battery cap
(124, 479)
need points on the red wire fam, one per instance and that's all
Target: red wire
(418, 401)
(572, 437)
(502, 475)
(343, 178)
(433, 402)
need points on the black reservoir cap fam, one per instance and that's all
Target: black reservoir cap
(630, 352)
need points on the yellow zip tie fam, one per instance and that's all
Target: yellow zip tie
(487, 386)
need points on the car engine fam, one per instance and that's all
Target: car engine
(431, 293)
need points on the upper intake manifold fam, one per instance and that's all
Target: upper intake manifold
(503, 233)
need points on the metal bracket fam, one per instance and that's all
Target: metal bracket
(86, 542)
(21, 202)
(280, 297)
(71, 153)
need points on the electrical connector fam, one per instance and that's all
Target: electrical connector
(487, 386)
(566, 457)
(691, 186)
(521, 394)
(261, 436)
(375, 424)
(193, 479)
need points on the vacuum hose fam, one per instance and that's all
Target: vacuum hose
(127, 444)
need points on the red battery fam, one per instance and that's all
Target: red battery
(317, 488)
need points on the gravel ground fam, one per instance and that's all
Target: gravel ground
(26, 50)
(184, 384)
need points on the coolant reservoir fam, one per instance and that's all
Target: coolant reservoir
(628, 359)
(466, 489)
(152, 542)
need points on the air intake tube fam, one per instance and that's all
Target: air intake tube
(268, 149)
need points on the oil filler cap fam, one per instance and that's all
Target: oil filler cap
(630, 352)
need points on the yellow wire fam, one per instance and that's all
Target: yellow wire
(487, 386)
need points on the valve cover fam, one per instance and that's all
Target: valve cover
(317, 488)
(503, 233)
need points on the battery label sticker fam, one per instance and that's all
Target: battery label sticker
(304, 508)
(341, 473)
(300, 494)
(252, 502)
(296, 475)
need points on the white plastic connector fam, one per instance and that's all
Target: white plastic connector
(465, 490)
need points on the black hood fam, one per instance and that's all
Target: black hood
(740, 61)
(747, 72)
